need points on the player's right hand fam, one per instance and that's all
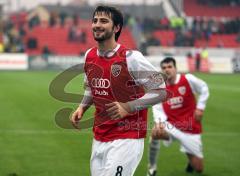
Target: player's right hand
(76, 117)
(198, 115)
(158, 131)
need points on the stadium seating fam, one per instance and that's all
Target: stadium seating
(193, 8)
(18, 18)
(56, 38)
(219, 40)
(166, 37)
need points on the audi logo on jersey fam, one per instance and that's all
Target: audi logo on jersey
(175, 100)
(100, 83)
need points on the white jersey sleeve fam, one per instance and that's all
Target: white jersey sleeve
(158, 113)
(200, 88)
(143, 72)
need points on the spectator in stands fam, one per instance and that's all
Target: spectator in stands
(148, 24)
(22, 31)
(238, 37)
(7, 48)
(188, 39)
(71, 33)
(75, 19)
(82, 54)
(46, 52)
(131, 21)
(206, 29)
(215, 3)
(126, 18)
(84, 37)
(20, 47)
(12, 40)
(203, 2)
(198, 59)
(152, 41)
(177, 22)
(204, 59)
(52, 20)
(164, 22)
(32, 43)
(236, 62)
(221, 26)
(179, 39)
(220, 43)
(196, 28)
(5, 38)
(1, 47)
(143, 45)
(62, 17)
(76, 34)
(34, 21)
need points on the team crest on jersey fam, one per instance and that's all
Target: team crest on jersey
(116, 70)
(182, 90)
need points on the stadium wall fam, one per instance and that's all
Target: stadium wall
(13, 61)
(210, 65)
(215, 61)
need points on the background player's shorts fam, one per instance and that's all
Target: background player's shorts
(190, 143)
(119, 157)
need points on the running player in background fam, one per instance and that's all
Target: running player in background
(121, 84)
(180, 117)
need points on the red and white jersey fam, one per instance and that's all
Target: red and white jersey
(121, 76)
(179, 109)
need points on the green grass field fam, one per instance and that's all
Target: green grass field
(31, 144)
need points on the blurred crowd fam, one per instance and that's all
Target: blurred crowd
(215, 3)
(188, 30)
(15, 38)
(14, 35)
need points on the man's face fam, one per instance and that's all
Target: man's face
(102, 27)
(169, 70)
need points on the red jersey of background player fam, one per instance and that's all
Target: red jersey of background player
(179, 110)
(181, 107)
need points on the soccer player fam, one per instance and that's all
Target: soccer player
(121, 84)
(180, 117)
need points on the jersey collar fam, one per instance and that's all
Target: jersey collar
(109, 53)
(177, 78)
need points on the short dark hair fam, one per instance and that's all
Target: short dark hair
(168, 60)
(114, 13)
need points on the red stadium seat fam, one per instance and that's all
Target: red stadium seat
(56, 38)
(166, 37)
(193, 8)
(227, 41)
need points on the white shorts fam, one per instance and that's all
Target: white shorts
(116, 158)
(190, 143)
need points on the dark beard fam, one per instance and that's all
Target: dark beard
(106, 36)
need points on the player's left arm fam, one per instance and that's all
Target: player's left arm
(200, 88)
(146, 75)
